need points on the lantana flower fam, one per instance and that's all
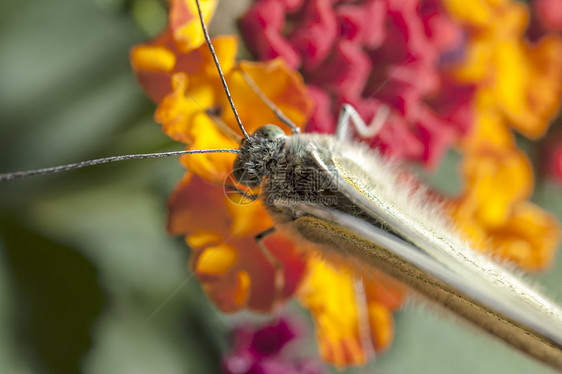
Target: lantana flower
(371, 53)
(221, 228)
(412, 49)
(232, 268)
(446, 82)
(519, 85)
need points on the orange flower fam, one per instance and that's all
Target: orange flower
(153, 63)
(494, 210)
(234, 272)
(518, 85)
(331, 297)
(184, 22)
(520, 80)
(353, 314)
(232, 268)
(221, 228)
(156, 61)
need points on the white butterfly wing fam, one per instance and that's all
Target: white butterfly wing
(421, 248)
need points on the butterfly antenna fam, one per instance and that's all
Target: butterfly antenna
(78, 165)
(219, 69)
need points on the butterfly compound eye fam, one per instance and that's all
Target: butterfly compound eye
(269, 132)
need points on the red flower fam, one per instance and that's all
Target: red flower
(550, 13)
(368, 53)
(552, 157)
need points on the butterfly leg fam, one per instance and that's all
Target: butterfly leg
(278, 276)
(348, 113)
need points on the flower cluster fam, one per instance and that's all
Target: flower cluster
(371, 53)
(440, 75)
(519, 85)
(451, 72)
(234, 270)
(546, 20)
(188, 91)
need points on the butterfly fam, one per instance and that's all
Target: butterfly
(342, 169)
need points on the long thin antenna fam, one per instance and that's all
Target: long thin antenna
(217, 64)
(78, 165)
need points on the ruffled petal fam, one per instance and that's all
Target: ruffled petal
(215, 167)
(153, 63)
(198, 206)
(185, 25)
(329, 294)
(260, 285)
(373, 50)
(484, 171)
(283, 86)
(348, 309)
(501, 219)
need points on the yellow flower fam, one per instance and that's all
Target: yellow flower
(521, 80)
(494, 212)
(231, 267)
(184, 22)
(233, 270)
(330, 296)
(353, 314)
(519, 85)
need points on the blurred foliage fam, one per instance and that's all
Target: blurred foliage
(85, 257)
(56, 312)
(89, 279)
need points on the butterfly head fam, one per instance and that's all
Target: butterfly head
(257, 154)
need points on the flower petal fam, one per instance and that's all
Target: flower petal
(214, 167)
(216, 260)
(184, 22)
(382, 325)
(283, 86)
(152, 63)
(330, 297)
(500, 220)
(198, 206)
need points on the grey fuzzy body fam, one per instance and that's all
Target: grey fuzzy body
(288, 172)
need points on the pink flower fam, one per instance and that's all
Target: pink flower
(550, 13)
(371, 53)
(261, 351)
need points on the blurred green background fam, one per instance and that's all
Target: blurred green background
(89, 280)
